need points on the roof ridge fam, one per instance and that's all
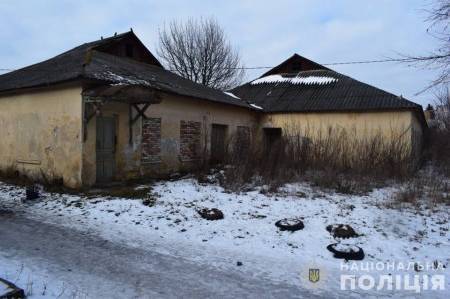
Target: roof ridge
(295, 56)
(116, 35)
(92, 44)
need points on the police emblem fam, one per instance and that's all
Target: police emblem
(314, 275)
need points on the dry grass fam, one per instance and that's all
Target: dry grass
(331, 160)
(438, 149)
(428, 189)
(122, 192)
(411, 194)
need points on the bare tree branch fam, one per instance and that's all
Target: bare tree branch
(442, 108)
(199, 50)
(439, 18)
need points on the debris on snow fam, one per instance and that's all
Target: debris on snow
(341, 231)
(33, 192)
(211, 214)
(149, 201)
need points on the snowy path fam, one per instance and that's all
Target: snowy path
(95, 268)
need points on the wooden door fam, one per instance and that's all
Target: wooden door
(106, 148)
(218, 135)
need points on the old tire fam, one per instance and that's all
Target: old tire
(347, 252)
(290, 224)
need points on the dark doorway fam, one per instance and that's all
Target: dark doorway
(106, 148)
(218, 135)
(272, 138)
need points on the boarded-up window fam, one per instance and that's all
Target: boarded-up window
(190, 140)
(151, 140)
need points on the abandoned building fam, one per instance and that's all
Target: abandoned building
(108, 110)
(302, 96)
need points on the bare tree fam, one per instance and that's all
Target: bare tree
(442, 110)
(199, 50)
(439, 19)
(439, 133)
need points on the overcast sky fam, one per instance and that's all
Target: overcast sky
(265, 32)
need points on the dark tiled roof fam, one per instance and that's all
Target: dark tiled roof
(113, 69)
(318, 90)
(84, 62)
(64, 67)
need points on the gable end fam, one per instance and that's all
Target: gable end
(127, 45)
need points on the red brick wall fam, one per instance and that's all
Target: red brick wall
(190, 140)
(151, 140)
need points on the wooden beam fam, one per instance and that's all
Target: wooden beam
(132, 120)
(130, 124)
(97, 105)
(123, 93)
(141, 112)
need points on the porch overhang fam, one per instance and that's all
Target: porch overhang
(138, 98)
(130, 94)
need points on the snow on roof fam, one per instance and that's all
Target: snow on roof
(120, 80)
(294, 80)
(256, 106)
(231, 95)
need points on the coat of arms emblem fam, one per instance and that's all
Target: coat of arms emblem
(314, 275)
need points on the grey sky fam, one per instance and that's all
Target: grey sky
(266, 32)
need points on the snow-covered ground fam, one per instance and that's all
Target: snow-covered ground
(36, 281)
(247, 233)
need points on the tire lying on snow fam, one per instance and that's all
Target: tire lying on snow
(342, 231)
(347, 252)
(211, 214)
(290, 224)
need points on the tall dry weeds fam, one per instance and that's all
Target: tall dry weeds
(335, 156)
